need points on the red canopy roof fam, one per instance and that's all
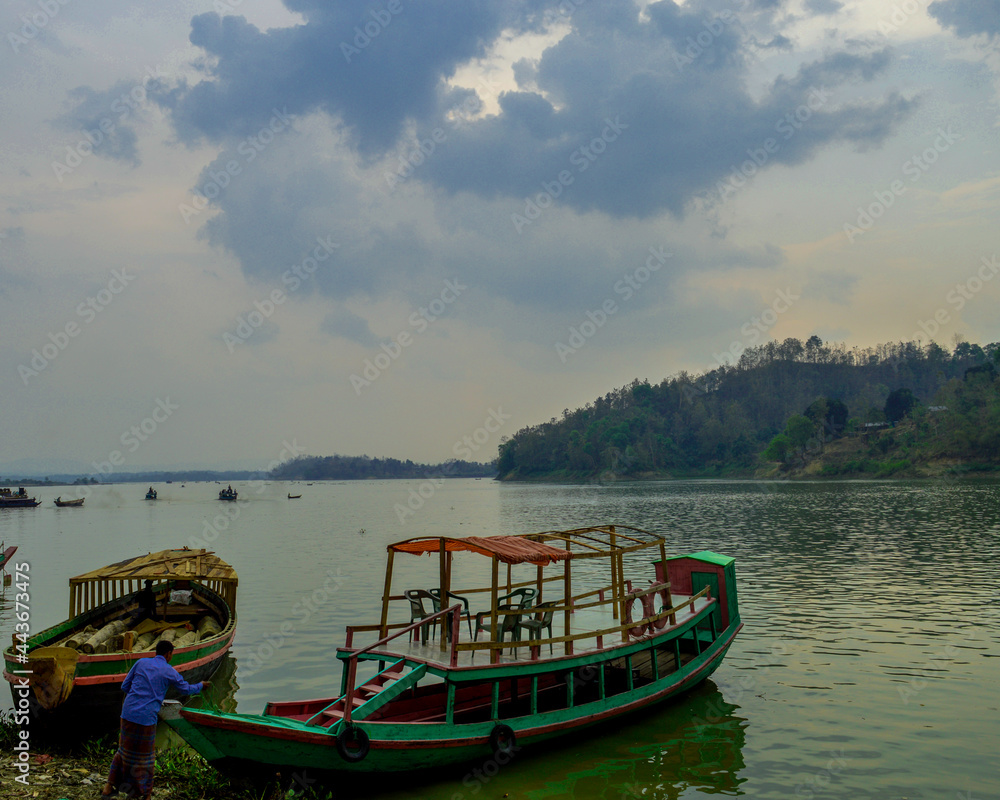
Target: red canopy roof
(508, 549)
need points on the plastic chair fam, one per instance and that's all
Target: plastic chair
(520, 598)
(507, 623)
(539, 622)
(417, 610)
(436, 599)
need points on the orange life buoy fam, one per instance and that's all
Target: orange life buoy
(637, 630)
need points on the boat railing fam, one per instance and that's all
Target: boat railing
(647, 624)
(352, 658)
(574, 605)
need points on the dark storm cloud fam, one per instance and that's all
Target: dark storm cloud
(641, 117)
(627, 116)
(967, 17)
(663, 97)
(373, 66)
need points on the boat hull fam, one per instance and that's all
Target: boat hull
(278, 743)
(95, 696)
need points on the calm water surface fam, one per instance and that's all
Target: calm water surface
(868, 667)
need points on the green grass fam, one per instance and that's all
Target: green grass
(8, 730)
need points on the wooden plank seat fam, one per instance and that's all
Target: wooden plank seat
(183, 611)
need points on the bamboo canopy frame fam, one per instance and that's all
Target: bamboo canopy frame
(106, 584)
(603, 541)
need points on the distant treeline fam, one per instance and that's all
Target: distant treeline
(308, 468)
(325, 468)
(720, 422)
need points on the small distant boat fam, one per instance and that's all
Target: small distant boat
(69, 503)
(294, 496)
(18, 499)
(151, 494)
(229, 494)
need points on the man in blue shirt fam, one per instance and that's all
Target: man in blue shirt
(145, 686)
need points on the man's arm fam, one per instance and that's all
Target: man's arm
(127, 683)
(183, 686)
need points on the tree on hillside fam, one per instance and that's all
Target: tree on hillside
(898, 404)
(777, 450)
(814, 347)
(799, 430)
(829, 414)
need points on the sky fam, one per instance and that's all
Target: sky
(236, 231)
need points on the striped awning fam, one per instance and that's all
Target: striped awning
(507, 549)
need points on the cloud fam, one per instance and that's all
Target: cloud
(639, 134)
(372, 66)
(967, 17)
(627, 119)
(346, 324)
(837, 287)
(824, 6)
(108, 118)
(642, 112)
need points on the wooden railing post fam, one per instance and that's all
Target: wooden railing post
(352, 673)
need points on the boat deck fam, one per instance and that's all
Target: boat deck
(582, 621)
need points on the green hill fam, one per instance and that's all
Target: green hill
(722, 422)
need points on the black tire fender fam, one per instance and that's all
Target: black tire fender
(502, 739)
(359, 738)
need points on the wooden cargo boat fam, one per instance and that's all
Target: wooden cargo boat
(515, 674)
(75, 669)
(69, 503)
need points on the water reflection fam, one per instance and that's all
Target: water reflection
(221, 695)
(692, 744)
(695, 744)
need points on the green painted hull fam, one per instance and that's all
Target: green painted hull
(400, 747)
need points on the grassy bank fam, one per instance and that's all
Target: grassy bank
(59, 772)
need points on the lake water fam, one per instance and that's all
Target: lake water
(868, 667)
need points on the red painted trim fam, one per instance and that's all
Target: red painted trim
(265, 730)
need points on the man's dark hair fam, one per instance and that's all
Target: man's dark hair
(164, 648)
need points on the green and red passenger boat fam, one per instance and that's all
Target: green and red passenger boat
(571, 644)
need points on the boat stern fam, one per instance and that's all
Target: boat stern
(691, 573)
